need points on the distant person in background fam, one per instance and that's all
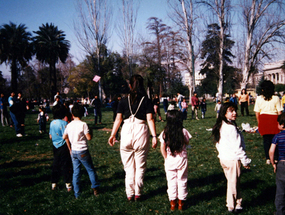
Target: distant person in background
(13, 110)
(179, 100)
(184, 109)
(244, 102)
(195, 105)
(96, 103)
(283, 101)
(21, 113)
(203, 106)
(218, 107)
(42, 119)
(165, 104)
(156, 107)
(3, 109)
(267, 108)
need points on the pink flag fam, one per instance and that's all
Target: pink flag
(96, 78)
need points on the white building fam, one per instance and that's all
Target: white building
(274, 72)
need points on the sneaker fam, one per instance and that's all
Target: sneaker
(268, 161)
(173, 205)
(19, 135)
(230, 209)
(137, 198)
(96, 192)
(131, 198)
(40, 132)
(68, 187)
(238, 208)
(53, 186)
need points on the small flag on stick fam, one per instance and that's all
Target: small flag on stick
(96, 78)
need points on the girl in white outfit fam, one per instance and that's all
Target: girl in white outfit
(174, 140)
(231, 149)
(137, 109)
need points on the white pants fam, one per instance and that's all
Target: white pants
(232, 170)
(177, 177)
(134, 148)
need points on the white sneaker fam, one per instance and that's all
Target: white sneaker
(238, 208)
(19, 135)
(53, 186)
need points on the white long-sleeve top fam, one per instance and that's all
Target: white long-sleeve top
(231, 144)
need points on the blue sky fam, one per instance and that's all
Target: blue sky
(62, 13)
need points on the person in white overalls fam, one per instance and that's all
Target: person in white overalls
(136, 110)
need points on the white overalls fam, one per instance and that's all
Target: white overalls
(134, 148)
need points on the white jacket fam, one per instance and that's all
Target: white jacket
(231, 144)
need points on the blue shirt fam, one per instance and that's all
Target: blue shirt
(1, 103)
(279, 139)
(12, 100)
(56, 130)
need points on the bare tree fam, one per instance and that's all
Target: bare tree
(264, 21)
(126, 29)
(221, 8)
(184, 16)
(159, 30)
(93, 26)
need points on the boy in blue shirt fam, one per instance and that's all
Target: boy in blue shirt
(279, 142)
(61, 149)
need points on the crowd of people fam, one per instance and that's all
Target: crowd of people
(136, 115)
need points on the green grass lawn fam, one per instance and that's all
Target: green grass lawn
(25, 172)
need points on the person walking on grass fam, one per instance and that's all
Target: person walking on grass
(96, 103)
(195, 105)
(137, 109)
(13, 107)
(231, 149)
(61, 149)
(174, 140)
(278, 141)
(77, 134)
(267, 108)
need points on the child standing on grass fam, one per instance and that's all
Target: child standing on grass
(279, 142)
(174, 140)
(218, 107)
(42, 119)
(184, 108)
(61, 150)
(203, 106)
(77, 132)
(231, 149)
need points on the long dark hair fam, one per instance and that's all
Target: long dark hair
(244, 91)
(173, 132)
(137, 87)
(267, 89)
(221, 118)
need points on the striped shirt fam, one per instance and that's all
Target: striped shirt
(279, 139)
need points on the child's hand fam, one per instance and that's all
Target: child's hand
(154, 142)
(274, 167)
(247, 167)
(112, 140)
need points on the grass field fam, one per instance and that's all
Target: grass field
(25, 172)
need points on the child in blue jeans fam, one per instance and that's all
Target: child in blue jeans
(279, 142)
(77, 132)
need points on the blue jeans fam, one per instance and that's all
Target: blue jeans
(78, 158)
(16, 124)
(280, 188)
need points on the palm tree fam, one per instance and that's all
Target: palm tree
(15, 49)
(50, 46)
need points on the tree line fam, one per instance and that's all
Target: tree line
(201, 36)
